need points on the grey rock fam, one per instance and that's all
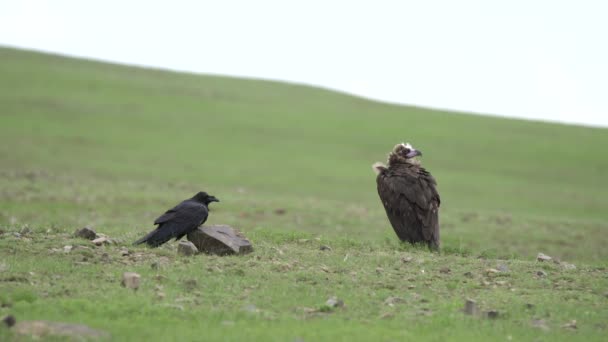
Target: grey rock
(186, 248)
(9, 320)
(541, 273)
(503, 268)
(470, 307)
(542, 257)
(540, 324)
(391, 301)
(220, 240)
(101, 241)
(492, 314)
(86, 233)
(334, 302)
(325, 248)
(131, 280)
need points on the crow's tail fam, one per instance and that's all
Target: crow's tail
(156, 237)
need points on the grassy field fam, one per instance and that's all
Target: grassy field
(87, 143)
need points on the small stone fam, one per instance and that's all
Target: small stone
(105, 258)
(445, 270)
(406, 259)
(334, 302)
(529, 306)
(411, 287)
(101, 241)
(570, 325)
(391, 301)
(130, 280)
(251, 308)
(9, 320)
(67, 249)
(492, 314)
(280, 211)
(542, 257)
(387, 315)
(470, 307)
(568, 266)
(379, 270)
(25, 230)
(468, 274)
(124, 252)
(17, 235)
(86, 233)
(540, 324)
(492, 271)
(325, 248)
(186, 248)
(503, 268)
(541, 273)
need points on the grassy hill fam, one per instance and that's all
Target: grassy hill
(88, 143)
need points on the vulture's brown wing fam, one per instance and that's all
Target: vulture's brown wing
(411, 202)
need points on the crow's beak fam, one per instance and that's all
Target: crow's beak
(413, 153)
(213, 199)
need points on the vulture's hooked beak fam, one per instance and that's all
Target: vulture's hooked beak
(413, 153)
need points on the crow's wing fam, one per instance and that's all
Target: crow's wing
(182, 219)
(181, 211)
(411, 202)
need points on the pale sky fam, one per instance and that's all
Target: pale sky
(521, 58)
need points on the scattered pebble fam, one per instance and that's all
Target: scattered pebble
(540, 324)
(124, 252)
(406, 259)
(570, 325)
(492, 271)
(391, 301)
(503, 268)
(470, 307)
(86, 233)
(280, 211)
(468, 274)
(529, 306)
(541, 273)
(445, 270)
(9, 320)
(67, 249)
(568, 266)
(251, 308)
(130, 280)
(325, 248)
(379, 270)
(186, 248)
(543, 257)
(334, 302)
(105, 258)
(492, 314)
(101, 241)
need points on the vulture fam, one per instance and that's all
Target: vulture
(409, 195)
(179, 221)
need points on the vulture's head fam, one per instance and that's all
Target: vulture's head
(404, 153)
(203, 197)
(401, 153)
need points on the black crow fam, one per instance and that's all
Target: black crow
(409, 195)
(179, 221)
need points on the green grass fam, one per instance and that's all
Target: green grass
(87, 143)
